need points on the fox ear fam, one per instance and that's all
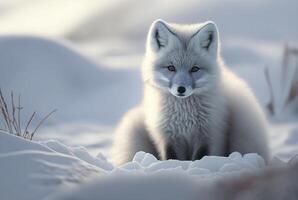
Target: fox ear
(207, 37)
(159, 35)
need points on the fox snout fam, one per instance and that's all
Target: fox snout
(181, 84)
(181, 91)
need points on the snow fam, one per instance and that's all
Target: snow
(59, 74)
(74, 60)
(171, 185)
(34, 170)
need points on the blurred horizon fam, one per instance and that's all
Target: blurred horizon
(114, 31)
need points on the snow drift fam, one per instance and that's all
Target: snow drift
(51, 75)
(51, 170)
(31, 170)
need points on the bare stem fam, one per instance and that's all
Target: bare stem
(28, 123)
(5, 112)
(40, 123)
(12, 118)
(19, 113)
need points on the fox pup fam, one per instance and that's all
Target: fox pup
(192, 104)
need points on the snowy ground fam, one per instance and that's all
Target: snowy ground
(33, 170)
(91, 65)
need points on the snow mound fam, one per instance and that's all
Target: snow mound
(53, 74)
(147, 178)
(34, 170)
(171, 180)
(212, 165)
(31, 170)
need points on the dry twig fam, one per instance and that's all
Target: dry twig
(12, 118)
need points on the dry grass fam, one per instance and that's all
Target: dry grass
(11, 117)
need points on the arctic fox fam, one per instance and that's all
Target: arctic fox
(192, 105)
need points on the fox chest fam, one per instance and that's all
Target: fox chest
(182, 118)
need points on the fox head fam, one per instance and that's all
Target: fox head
(181, 59)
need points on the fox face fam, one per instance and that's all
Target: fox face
(181, 59)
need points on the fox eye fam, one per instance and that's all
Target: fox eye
(171, 68)
(194, 69)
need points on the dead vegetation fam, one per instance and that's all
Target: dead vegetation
(288, 81)
(10, 115)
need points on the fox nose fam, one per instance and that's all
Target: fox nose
(181, 89)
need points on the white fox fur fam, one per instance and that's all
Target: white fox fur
(214, 114)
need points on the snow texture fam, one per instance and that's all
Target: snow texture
(33, 170)
(53, 171)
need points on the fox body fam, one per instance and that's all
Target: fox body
(192, 104)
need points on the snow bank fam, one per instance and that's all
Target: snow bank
(212, 165)
(216, 178)
(33, 170)
(211, 178)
